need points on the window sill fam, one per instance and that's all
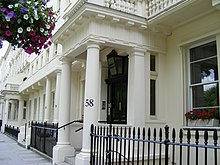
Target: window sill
(201, 128)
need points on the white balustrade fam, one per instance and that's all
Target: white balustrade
(12, 87)
(128, 6)
(155, 7)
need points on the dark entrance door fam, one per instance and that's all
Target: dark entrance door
(117, 102)
(117, 88)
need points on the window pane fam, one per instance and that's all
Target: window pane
(152, 63)
(24, 113)
(152, 97)
(204, 71)
(25, 103)
(203, 51)
(205, 95)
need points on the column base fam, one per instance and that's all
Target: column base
(3, 128)
(61, 151)
(83, 158)
(21, 135)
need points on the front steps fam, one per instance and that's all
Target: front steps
(69, 160)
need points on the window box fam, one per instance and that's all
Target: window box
(203, 123)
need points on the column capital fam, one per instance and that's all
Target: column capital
(58, 71)
(65, 59)
(137, 51)
(47, 77)
(93, 44)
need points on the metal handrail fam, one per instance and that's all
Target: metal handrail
(74, 121)
(49, 128)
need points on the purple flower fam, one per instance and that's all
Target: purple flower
(15, 15)
(29, 50)
(32, 33)
(42, 39)
(3, 9)
(34, 39)
(24, 9)
(1, 44)
(22, 1)
(44, 1)
(7, 33)
(10, 14)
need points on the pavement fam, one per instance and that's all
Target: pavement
(13, 154)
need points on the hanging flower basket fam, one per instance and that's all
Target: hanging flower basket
(26, 24)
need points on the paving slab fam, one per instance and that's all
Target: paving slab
(13, 154)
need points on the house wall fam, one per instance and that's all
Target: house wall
(198, 30)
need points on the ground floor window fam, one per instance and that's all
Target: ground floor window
(153, 80)
(25, 110)
(203, 81)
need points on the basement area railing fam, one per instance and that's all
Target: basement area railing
(114, 145)
(12, 131)
(44, 135)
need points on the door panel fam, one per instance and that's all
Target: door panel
(117, 103)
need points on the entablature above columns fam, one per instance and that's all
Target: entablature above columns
(78, 16)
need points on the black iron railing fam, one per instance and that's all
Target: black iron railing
(0, 124)
(67, 124)
(44, 136)
(113, 145)
(12, 131)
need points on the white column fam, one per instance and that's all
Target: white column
(41, 113)
(32, 110)
(57, 95)
(1, 110)
(12, 110)
(5, 116)
(38, 109)
(47, 100)
(65, 94)
(136, 88)
(63, 147)
(30, 69)
(20, 111)
(92, 101)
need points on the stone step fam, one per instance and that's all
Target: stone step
(70, 160)
(62, 163)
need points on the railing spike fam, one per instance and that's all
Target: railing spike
(181, 134)
(215, 135)
(188, 136)
(125, 132)
(206, 137)
(197, 136)
(129, 132)
(134, 132)
(143, 134)
(148, 133)
(160, 134)
(174, 134)
(139, 133)
(92, 128)
(155, 133)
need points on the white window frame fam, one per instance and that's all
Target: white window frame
(189, 96)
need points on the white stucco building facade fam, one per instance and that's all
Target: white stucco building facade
(160, 49)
